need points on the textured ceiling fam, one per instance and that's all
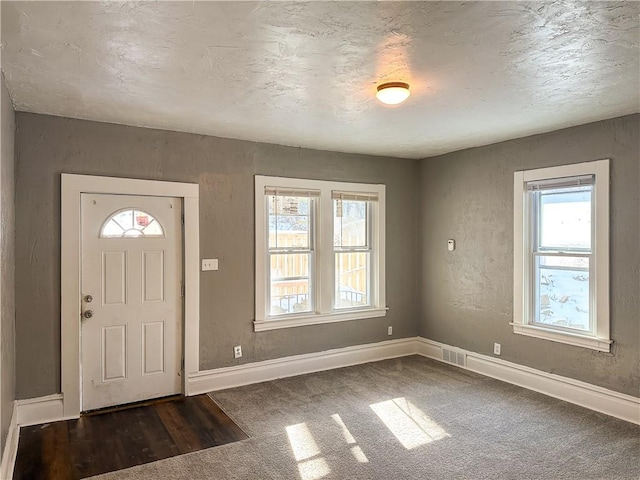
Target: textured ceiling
(305, 74)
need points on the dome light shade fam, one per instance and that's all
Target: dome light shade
(393, 93)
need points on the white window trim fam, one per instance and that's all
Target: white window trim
(600, 340)
(324, 255)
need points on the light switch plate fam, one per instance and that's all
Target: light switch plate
(209, 264)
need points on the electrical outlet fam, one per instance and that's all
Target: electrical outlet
(451, 245)
(496, 348)
(237, 351)
(389, 330)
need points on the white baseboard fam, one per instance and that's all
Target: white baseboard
(580, 393)
(10, 447)
(228, 377)
(626, 407)
(40, 410)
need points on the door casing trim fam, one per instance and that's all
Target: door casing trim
(73, 186)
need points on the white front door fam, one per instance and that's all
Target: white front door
(131, 333)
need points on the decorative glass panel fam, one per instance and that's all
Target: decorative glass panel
(131, 223)
(290, 283)
(289, 222)
(349, 223)
(352, 279)
(562, 291)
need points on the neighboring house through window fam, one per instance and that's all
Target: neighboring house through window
(561, 254)
(319, 252)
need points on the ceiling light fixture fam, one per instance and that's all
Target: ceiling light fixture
(393, 93)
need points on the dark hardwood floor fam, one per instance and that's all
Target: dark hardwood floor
(117, 439)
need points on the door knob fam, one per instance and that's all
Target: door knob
(88, 314)
(88, 298)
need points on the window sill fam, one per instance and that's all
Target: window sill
(594, 343)
(319, 318)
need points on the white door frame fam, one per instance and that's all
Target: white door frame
(72, 188)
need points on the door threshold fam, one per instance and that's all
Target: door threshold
(127, 406)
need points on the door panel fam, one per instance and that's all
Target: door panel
(132, 267)
(153, 348)
(114, 361)
(153, 276)
(114, 278)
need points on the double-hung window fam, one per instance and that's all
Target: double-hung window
(291, 250)
(352, 249)
(319, 252)
(561, 279)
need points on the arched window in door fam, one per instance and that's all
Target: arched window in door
(131, 223)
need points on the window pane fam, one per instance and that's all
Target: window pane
(562, 291)
(289, 222)
(350, 223)
(153, 229)
(565, 218)
(112, 229)
(352, 279)
(290, 283)
(132, 223)
(125, 219)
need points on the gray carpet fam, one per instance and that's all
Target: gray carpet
(409, 418)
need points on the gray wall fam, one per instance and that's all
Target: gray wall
(466, 296)
(7, 263)
(48, 146)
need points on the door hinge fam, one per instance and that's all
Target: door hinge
(182, 218)
(182, 290)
